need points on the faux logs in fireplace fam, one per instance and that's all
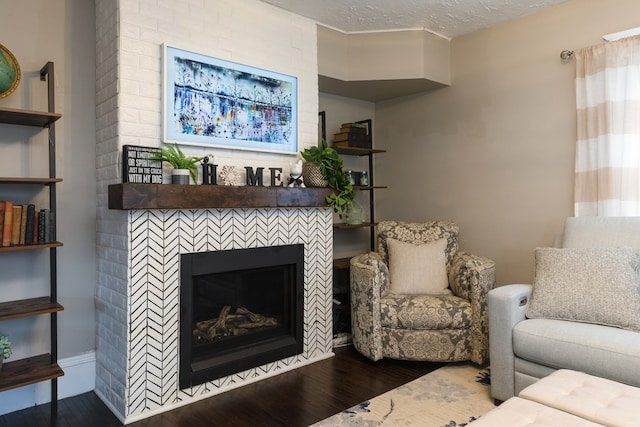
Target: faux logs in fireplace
(239, 309)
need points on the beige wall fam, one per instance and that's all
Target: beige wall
(495, 150)
(392, 55)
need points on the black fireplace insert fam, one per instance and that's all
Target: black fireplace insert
(239, 309)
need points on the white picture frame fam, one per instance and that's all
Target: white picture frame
(217, 103)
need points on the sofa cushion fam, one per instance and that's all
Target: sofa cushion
(594, 285)
(424, 312)
(418, 268)
(594, 231)
(595, 349)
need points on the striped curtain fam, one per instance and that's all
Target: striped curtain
(607, 178)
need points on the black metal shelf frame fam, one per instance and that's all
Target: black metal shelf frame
(43, 367)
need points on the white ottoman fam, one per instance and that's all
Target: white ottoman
(596, 399)
(568, 398)
(518, 412)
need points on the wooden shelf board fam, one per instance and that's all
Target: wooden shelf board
(29, 247)
(169, 196)
(342, 263)
(28, 307)
(27, 117)
(28, 371)
(357, 151)
(344, 225)
(364, 187)
(44, 181)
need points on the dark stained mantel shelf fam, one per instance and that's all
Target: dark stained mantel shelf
(128, 196)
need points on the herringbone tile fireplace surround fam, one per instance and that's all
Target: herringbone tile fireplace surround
(140, 372)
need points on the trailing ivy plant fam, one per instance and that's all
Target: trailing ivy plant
(330, 164)
(5, 346)
(173, 155)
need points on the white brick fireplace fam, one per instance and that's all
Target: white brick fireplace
(138, 250)
(139, 359)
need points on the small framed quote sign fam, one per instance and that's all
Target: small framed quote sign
(136, 166)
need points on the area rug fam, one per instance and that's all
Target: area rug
(451, 396)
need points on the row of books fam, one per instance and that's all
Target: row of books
(352, 135)
(22, 224)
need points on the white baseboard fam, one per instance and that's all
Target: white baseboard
(79, 377)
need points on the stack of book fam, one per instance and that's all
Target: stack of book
(22, 224)
(352, 135)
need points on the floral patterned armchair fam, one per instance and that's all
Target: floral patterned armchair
(450, 328)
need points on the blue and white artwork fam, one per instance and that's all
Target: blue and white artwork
(209, 101)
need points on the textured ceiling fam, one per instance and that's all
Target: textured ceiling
(448, 18)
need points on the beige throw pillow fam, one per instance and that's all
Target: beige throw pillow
(592, 285)
(418, 268)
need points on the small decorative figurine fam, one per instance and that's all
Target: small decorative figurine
(295, 177)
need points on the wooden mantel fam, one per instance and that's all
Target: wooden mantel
(168, 196)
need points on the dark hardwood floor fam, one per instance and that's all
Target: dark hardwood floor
(297, 398)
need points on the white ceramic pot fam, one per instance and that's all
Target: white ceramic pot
(180, 176)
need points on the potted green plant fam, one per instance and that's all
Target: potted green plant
(183, 166)
(5, 348)
(328, 162)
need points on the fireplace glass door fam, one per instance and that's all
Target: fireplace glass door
(239, 309)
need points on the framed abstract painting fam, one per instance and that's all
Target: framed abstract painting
(213, 102)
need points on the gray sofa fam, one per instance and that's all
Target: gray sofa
(523, 350)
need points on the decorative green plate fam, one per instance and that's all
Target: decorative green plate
(9, 72)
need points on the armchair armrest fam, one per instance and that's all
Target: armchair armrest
(507, 307)
(472, 277)
(369, 280)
